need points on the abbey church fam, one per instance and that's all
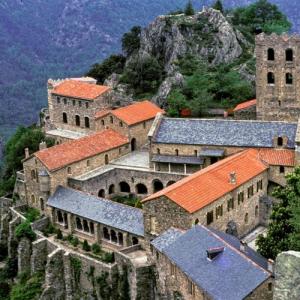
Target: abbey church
(203, 186)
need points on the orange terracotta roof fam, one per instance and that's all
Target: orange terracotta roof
(137, 112)
(244, 105)
(102, 113)
(65, 154)
(206, 186)
(79, 89)
(278, 157)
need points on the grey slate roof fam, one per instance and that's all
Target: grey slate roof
(212, 153)
(100, 210)
(230, 275)
(223, 132)
(193, 160)
(166, 238)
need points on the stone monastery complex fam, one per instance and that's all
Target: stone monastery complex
(205, 184)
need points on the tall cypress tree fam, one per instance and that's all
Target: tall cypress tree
(189, 9)
(218, 6)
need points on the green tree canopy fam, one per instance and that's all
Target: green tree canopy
(131, 40)
(189, 9)
(262, 15)
(218, 5)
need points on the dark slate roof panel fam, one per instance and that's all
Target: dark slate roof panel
(212, 153)
(240, 275)
(166, 238)
(223, 132)
(100, 210)
(174, 159)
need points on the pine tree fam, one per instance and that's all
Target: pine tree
(189, 9)
(218, 6)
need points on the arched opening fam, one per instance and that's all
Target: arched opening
(65, 118)
(111, 120)
(69, 170)
(92, 230)
(101, 193)
(111, 189)
(66, 220)
(32, 199)
(33, 174)
(85, 226)
(124, 187)
(256, 211)
(280, 141)
(60, 217)
(42, 205)
(106, 234)
(176, 152)
(157, 185)
(271, 78)
(133, 144)
(102, 122)
(271, 54)
(135, 240)
(78, 224)
(87, 122)
(196, 221)
(106, 160)
(289, 55)
(120, 238)
(77, 120)
(289, 78)
(141, 189)
(121, 124)
(170, 182)
(246, 218)
(113, 236)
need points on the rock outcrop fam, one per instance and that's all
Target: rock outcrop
(287, 276)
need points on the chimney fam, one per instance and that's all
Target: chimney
(271, 265)
(214, 252)
(26, 152)
(243, 246)
(42, 145)
(232, 177)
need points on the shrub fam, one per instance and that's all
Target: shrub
(3, 251)
(75, 241)
(108, 257)
(59, 234)
(96, 248)
(24, 230)
(131, 40)
(32, 214)
(189, 9)
(10, 269)
(50, 229)
(86, 246)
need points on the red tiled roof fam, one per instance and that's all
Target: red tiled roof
(244, 105)
(204, 187)
(62, 155)
(79, 89)
(102, 113)
(278, 157)
(137, 112)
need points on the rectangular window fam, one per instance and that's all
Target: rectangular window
(240, 197)
(259, 185)
(281, 169)
(209, 217)
(250, 191)
(219, 211)
(191, 288)
(230, 204)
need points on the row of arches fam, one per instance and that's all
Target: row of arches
(289, 54)
(140, 188)
(77, 120)
(288, 78)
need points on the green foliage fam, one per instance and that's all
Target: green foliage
(86, 246)
(50, 229)
(24, 230)
(96, 248)
(218, 6)
(32, 214)
(112, 64)
(103, 286)
(263, 15)
(124, 285)
(27, 288)
(131, 40)
(3, 251)
(59, 234)
(108, 257)
(189, 9)
(75, 241)
(4, 290)
(10, 269)
(76, 270)
(283, 232)
(128, 200)
(143, 75)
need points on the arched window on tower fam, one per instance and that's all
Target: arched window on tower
(289, 55)
(87, 122)
(65, 118)
(288, 78)
(271, 54)
(77, 120)
(271, 78)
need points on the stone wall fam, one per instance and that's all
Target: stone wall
(248, 113)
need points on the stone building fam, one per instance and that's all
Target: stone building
(277, 77)
(48, 168)
(187, 145)
(226, 192)
(133, 121)
(96, 219)
(74, 103)
(245, 110)
(206, 264)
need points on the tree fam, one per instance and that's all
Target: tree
(218, 6)
(131, 40)
(189, 9)
(86, 246)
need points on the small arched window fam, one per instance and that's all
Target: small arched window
(121, 124)
(106, 159)
(111, 119)
(271, 54)
(279, 141)
(195, 152)
(65, 101)
(77, 120)
(288, 78)
(158, 151)
(33, 174)
(65, 118)
(271, 78)
(196, 221)
(256, 211)
(176, 152)
(246, 218)
(88, 163)
(102, 122)
(289, 55)
(86, 104)
(69, 170)
(87, 122)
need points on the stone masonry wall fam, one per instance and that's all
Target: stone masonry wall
(246, 114)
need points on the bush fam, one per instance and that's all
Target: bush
(75, 241)
(86, 246)
(32, 214)
(96, 248)
(218, 6)
(4, 290)
(50, 229)
(10, 269)
(24, 230)
(108, 257)
(131, 40)
(59, 234)
(189, 10)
